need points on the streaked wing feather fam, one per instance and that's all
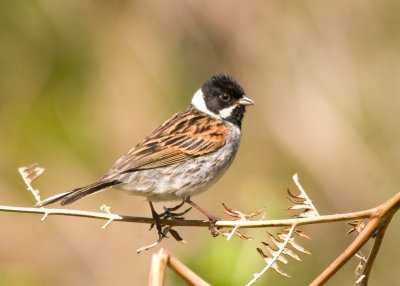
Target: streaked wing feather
(158, 159)
(186, 135)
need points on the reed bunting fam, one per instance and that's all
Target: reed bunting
(184, 156)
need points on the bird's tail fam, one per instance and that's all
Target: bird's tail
(76, 194)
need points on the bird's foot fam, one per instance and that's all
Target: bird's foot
(171, 213)
(157, 223)
(211, 218)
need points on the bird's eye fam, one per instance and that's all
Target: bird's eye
(224, 97)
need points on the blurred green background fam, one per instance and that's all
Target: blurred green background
(83, 81)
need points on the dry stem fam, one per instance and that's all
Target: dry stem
(378, 220)
(198, 223)
(257, 276)
(379, 217)
(163, 259)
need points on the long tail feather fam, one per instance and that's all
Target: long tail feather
(53, 199)
(76, 194)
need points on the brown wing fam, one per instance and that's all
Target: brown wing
(186, 135)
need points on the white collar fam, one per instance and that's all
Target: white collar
(199, 103)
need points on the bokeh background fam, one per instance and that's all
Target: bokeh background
(82, 81)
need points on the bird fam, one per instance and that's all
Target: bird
(182, 157)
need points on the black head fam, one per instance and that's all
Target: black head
(223, 97)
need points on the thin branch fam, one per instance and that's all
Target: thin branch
(257, 276)
(29, 174)
(379, 217)
(158, 265)
(297, 221)
(239, 216)
(106, 209)
(306, 197)
(182, 270)
(197, 223)
(299, 202)
(154, 244)
(374, 252)
(351, 250)
(102, 216)
(163, 259)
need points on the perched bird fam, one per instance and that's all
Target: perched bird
(184, 156)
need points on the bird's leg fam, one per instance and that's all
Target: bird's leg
(170, 213)
(211, 218)
(157, 219)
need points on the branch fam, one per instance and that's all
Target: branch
(163, 259)
(379, 218)
(273, 260)
(29, 174)
(373, 253)
(390, 205)
(304, 195)
(158, 265)
(378, 221)
(102, 216)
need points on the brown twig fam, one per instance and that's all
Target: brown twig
(158, 265)
(29, 174)
(378, 220)
(196, 223)
(271, 261)
(163, 259)
(374, 252)
(380, 217)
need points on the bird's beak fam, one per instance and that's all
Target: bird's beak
(246, 101)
